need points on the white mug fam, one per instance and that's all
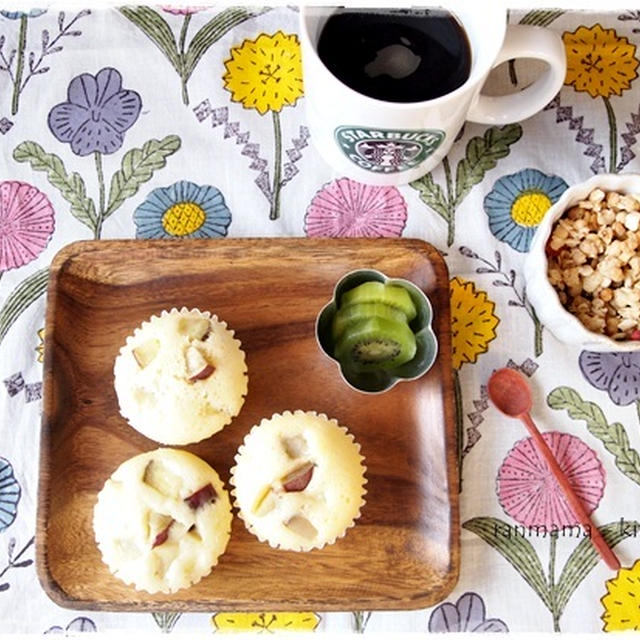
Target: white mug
(391, 143)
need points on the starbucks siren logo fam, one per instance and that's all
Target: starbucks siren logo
(387, 150)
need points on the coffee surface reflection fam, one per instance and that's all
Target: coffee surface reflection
(396, 55)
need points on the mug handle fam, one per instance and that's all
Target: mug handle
(523, 41)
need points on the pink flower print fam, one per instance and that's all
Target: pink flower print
(530, 494)
(348, 209)
(181, 11)
(26, 223)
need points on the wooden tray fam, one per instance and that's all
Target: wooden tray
(404, 551)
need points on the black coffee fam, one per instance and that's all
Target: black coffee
(397, 55)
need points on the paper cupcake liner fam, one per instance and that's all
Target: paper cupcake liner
(245, 519)
(132, 420)
(182, 311)
(141, 583)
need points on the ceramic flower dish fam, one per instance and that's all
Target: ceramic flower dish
(379, 380)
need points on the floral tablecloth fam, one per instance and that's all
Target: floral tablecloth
(165, 122)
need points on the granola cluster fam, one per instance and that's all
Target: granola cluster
(594, 263)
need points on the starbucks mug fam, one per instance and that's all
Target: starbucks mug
(392, 143)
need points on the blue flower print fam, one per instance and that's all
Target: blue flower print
(16, 15)
(183, 210)
(9, 494)
(517, 203)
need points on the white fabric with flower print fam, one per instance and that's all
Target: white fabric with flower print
(188, 121)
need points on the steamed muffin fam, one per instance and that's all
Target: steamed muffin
(181, 377)
(298, 480)
(162, 520)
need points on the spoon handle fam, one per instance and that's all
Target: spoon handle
(574, 501)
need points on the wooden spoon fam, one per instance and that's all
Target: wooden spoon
(510, 392)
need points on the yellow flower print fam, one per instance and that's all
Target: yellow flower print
(473, 326)
(265, 74)
(602, 64)
(621, 603)
(473, 322)
(599, 61)
(40, 347)
(265, 622)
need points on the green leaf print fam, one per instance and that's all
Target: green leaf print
(211, 32)
(613, 436)
(156, 29)
(71, 187)
(585, 557)
(182, 57)
(360, 620)
(432, 195)
(27, 292)
(518, 551)
(166, 620)
(482, 154)
(510, 542)
(138, 166)
(541, 17)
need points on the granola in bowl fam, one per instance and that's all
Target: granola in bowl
(594, 262)
(583, 270)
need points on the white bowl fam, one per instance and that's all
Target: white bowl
(564, 325)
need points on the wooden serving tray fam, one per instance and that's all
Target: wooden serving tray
(404, 551)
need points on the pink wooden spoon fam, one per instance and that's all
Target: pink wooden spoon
(510, 392)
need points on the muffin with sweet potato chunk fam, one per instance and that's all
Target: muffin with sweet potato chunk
(298, 480)
(162, 520)
(181, 377)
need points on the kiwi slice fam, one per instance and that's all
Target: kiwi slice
(360, 311)
(392, 295)
(375, 343)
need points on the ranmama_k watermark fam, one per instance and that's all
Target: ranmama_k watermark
(505, 530)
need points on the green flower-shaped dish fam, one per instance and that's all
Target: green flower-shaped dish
(380, 380)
